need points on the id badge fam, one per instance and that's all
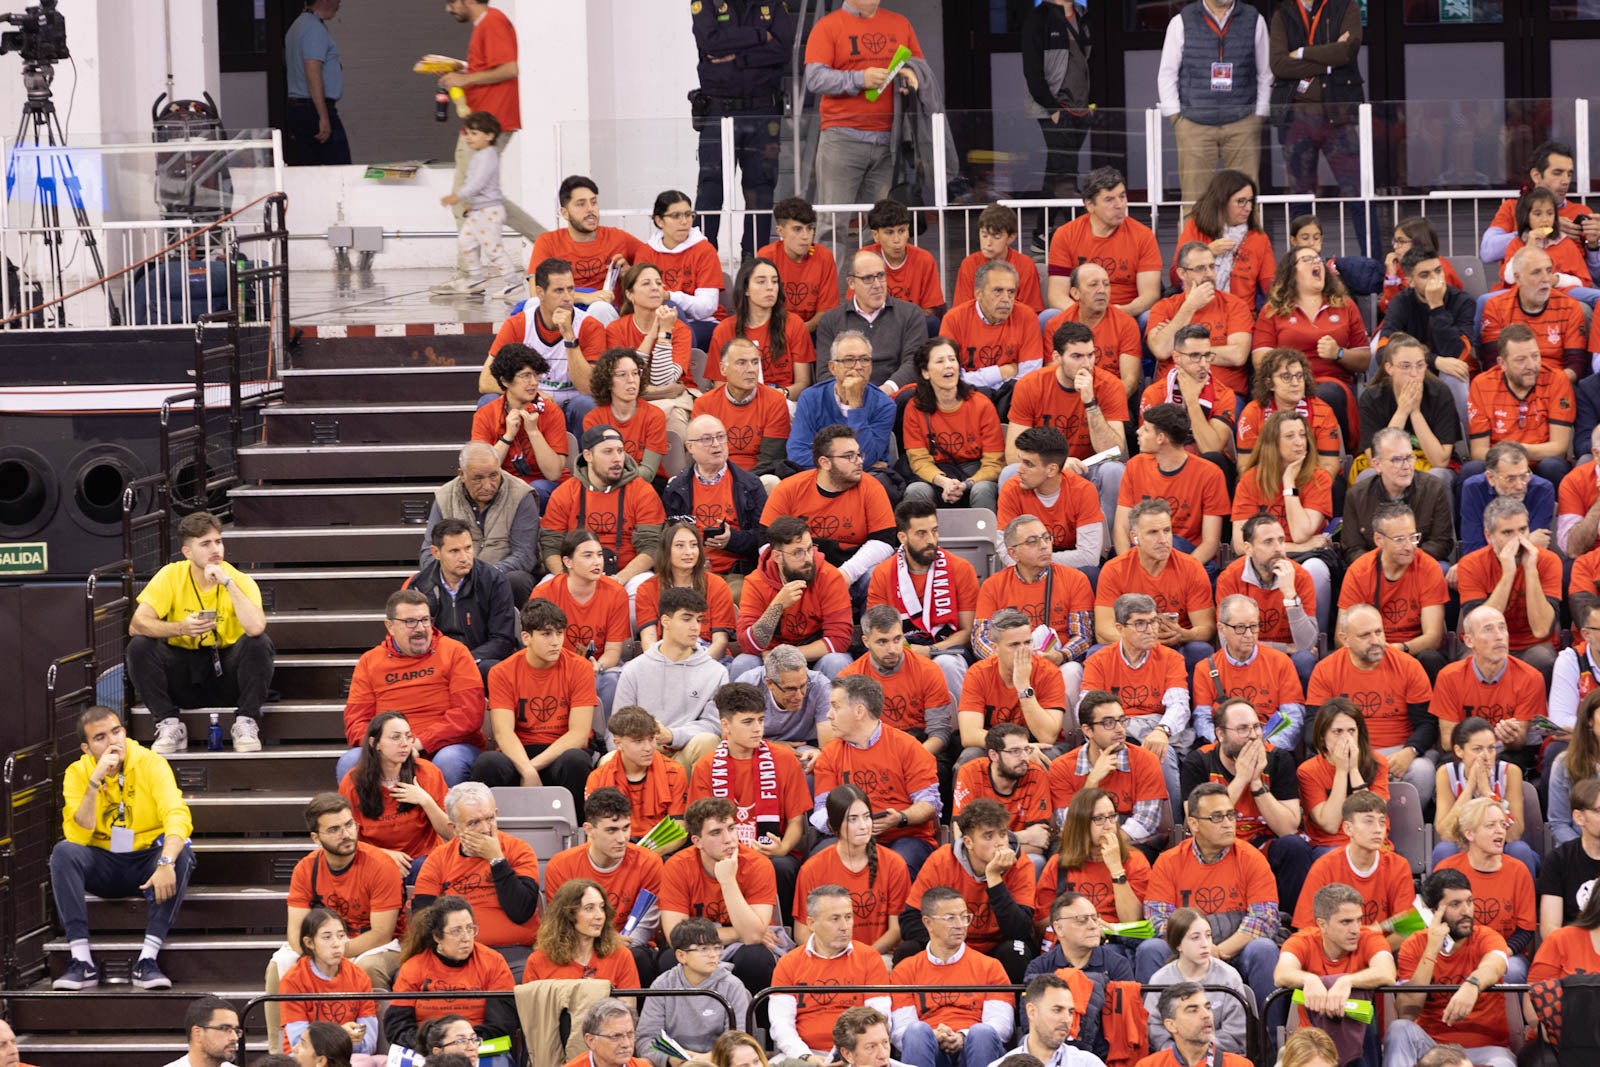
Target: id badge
(1222, 77)
(1303, 86)
(121, 839)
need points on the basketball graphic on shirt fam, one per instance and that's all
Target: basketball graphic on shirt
(1133, 697)
(1369, 701)
(537, 710)
(603, 522)
(896, 710)
(1271, 619)
(581, 635)
(741, 438)
(1495, 712)
(588, 267)
(1370, 912)
(799, 296)
(1210, 899)
(794, 628)
(875, 44)
(825, 526)
(1097, 892)
(1256, 695)
(676, 278)
(864, 779)
(935, 1001)
(865, 904)
(1485, 910)
(1397, 611)
(1061, 538)
(709, 515)
(949, 443)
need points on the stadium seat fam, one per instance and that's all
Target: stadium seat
(1533, 822)
(542, 816)
(697, 368)
(573, 455)
(970, 533)
(1407, 830)
(1474, 278)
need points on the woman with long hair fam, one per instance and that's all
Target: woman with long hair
(1343, 763)
(1308, 308)
(759, 314)
(686, 566)
(690, 267)
(1581, 760)
(1283, 383)
(1095, 852)
(736, 1048)
(953, 441)
(1189, 937)
(323, 968)
(323, 1044)
(650, 327)
(616, 389)
(877, 877)
(1362, 275)
(1478, 827)
(1225, 219)
(441, 948)
(578, 939)
(397, 795)
(1285, 482)
(1475, 770)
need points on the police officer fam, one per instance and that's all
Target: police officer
(744, 48)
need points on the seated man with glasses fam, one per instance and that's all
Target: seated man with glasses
(758, 413)
(1405, 584)
(1506, 474)
(430, 678)
(1367, 864)
(1227, 320)
(967, 1030)
(1231, 885)
(610, 1031)
(1084, 959)
(1289, 612)
(997, 339)
(212, 1025)
(1264, 786)
(894, 329)
(723, 499)
(1252, 669)
(1106, 761)
(845, 397)
(1397, 482)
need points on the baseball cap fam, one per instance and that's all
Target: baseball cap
(594, 435)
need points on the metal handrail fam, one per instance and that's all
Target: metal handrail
(1278, 996)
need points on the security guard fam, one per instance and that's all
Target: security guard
(744, 48)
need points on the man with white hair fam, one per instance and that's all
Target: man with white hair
(895, 329)
(1555, 318)
(504, 513)
(724, 499)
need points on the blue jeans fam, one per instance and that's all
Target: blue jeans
(919, 1048)
(76, 870)
(914, 850)
(453, 761)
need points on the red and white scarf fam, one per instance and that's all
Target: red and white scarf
(1208, 392)
(1302, 408)
(767, 820)
(934, 613)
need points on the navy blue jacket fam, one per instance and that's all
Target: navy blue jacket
(758, 34)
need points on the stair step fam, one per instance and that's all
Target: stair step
(408, 352)
(370, 423)
(323, 544)
(346, 384)
(240, 862)
(124, 1050)
(316, 630)
(259, 811)
(285, 721)
(434, 463)
(332, 505)
(220, 959)
(122, 1010)
(226, 774)
(308, 676)
(335, 589)
(204, 908)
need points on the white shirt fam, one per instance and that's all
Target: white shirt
(183, 1061)
(1172, 59)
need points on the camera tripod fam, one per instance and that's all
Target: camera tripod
(39, 133)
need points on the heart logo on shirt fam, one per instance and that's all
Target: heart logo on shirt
(875, 43)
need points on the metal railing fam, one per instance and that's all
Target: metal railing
(1279, 999)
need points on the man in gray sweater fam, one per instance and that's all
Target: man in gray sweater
(692, 1023)
(675, 680)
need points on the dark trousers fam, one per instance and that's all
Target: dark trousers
(787, 870)
(570, 771)
(1290, 860)
(647, 961)
(1311, 133)
(1063, 140)
(167, 677)
(79, 869)
(300, 145)
(755, 151)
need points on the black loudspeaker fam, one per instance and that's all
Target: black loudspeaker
(62, 478)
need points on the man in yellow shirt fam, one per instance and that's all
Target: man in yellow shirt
(126, 831)
(200, 640)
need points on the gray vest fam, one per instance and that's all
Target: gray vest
(1201, 48)
(491, 541)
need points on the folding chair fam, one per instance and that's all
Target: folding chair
(543, 816)
(1406, 828)
(970, 533)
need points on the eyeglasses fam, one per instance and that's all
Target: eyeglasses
(1079, 920)
(1217, 818)
(1405, 539)
(1514, 479)
(853, 361)
(1243, 627)
(415, 624)
(960, 918)
(1204, 357)
(1245, 731)
(872, 279)
(469, 930)
(526, 376)
(1405, 459)
(1035, 541)
(709, 439)
(789, 690)
(465, 1041)
(1291, 376)
(1119, 722)
(1105, 820)
(236, 1031)
(1142, 625)
(846, 457)
(620, 1035)
(679, 216)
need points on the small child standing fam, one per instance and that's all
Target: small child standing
(479, 238)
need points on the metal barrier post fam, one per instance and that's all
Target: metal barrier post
(941, 189)
(1580, 143)
(730, 187)
(1153, 161)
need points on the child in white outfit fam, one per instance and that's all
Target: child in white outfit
(479, 238)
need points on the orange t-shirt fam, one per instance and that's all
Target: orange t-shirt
(1141, 781)
(1249, 499)
(687, 889)
(966, 287)
(1477, 574)
(1324, 426)
(1268, 681)
(686, 269)
(845, 41)
(777, 370)
(1168, 1057)
(1039, 399)
(493, 44)
(1226, 314)
(909, 692)
(1129, 251)
(1240, 878)
(915, 280)
(542, 698)
(875, 903)
(617, 968)
(959, 1011)
(888, 770)
(1495, 412)
(645, 431)
(720, 613)
(409, 831)
(1570, 950)
(301, 978)
(625, 333)
(1028, 803)
(1274, 616)
(711, 506)
(942, 868)
(1069, 593)
(1578, 490)
(815, 1013)
(591, 335)
(744, 788)
(1518, 694)
(1077, 505)
(958, 436)
(489, 425)
(484, 970)
(591, 259)
(1386, 890)
(849, 517)
(982, 344)
(599, 621)
(984, 691)
(1566, 255)
(1307, 947)
(765, 415)
(1316, 783)
(662, 792)
(1485, 1024)
(1182, 585)
(1115, 335)
(639, 871)
(1093, 880)
(1381, 693)
(449, 872)
(1195, 491)
(370, 883)
(1401, 602)
(1558, 328)
(810, 286)
(1253, 261)
(822, 612)
(1503, 900)
(1164, 390)
(1140, 690)
(613, 516)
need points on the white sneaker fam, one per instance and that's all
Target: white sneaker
(171, 736)
(447, 288)
(246, 734)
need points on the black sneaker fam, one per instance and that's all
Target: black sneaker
(1040, 245)
(78, 975)
(147, 975)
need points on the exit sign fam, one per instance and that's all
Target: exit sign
(24, 557)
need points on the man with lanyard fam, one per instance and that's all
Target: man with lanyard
(1185, 1012)
(935, 592)
(744, 50)
(1285, 592)
(126, 831)
(1313, 60)
(558, 330)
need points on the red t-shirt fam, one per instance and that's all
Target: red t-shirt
(484, 970)
(617, 968)
(1307, 947)
(1226, 314)
(1401, 602)
(1028, 803)
(410, 832)
(915, 280)
(1381, 693)
(959, 436)
(1503, 900)
(1141, 781)
(1249, 499)
(982, 344)
(1027, 278)
(603, 618)
(370, 883)
(815, 1013)
(645, 431)
(1268, 681)
(1140, 690)
(959, 1011)
(720, 613)
(1485, 1024)
(542, 698)
(591, 259)
(1324, 426)
(662, 792)
(1386, 891)
(1115, 335)
(810, 286)
(1181, 586)
(687, 268)
(625, 333)
(1295, 330)
(613, 516)
(1557, 329)
(876, 900)
(449, 872)
(1478, 573)
(1077, 505)
(1195, 491)
(1578, 490)
(493, 44)
(639, 871)
(1039, 399)
(301, 978)
(776, 370)
(688, 890)
(1316, 783)
(1570, 950)
(916, 686)
(942, 868)
(1254, 262)
(1495, 412)
(845, 41)
(1274, 616)
(849, 517)
(1518, 693)
(889, 771)
(985, 692)
(489, 425)
(1129, 251)
(1069, 593)
(1240, 878)
(1093, 880)
(743, 787)
(766, 415)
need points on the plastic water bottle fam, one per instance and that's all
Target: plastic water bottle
(214, 734)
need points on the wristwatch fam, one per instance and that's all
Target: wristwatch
(164, 861)
(1120, 879)
(1025, 693)
(1258, 792)
(1291, 492)
(905, 820)
(1472, 980)
(570, 344)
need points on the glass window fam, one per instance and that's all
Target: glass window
(1454, 12)
(1574, 10)
(1150, 14)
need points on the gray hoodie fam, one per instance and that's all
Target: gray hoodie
(1228, 1010)
(677, 694)
(693, 1022)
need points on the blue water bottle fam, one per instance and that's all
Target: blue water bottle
(214, 734)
